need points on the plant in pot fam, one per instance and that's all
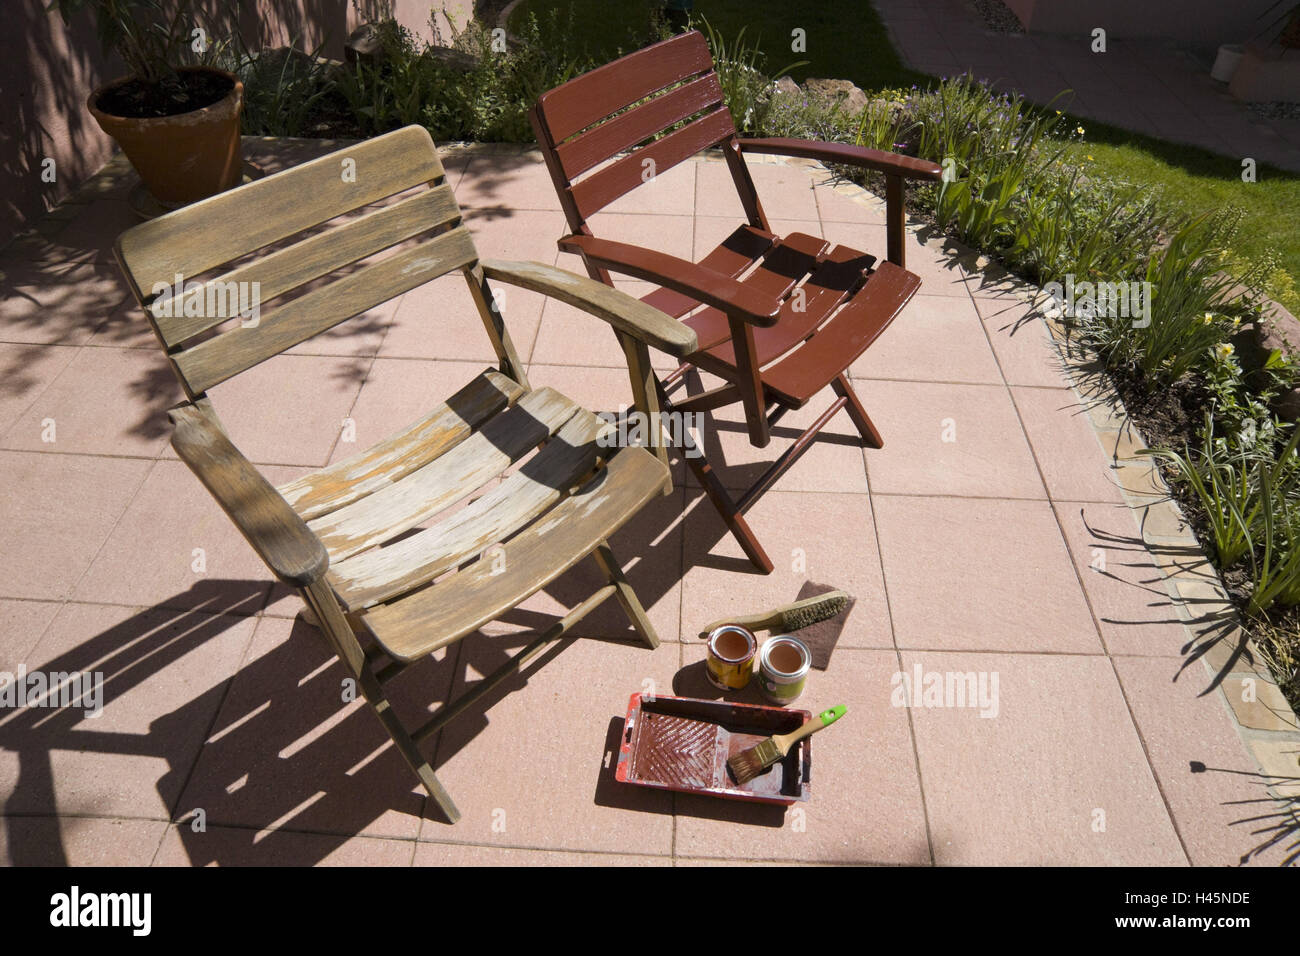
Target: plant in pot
(176, 121)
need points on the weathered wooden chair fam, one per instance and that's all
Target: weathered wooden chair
(345, 535)
(782, 318)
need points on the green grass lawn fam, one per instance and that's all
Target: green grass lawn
(846, 40)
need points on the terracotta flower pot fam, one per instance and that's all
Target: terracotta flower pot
(185, 157)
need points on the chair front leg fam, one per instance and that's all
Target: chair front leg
(749, 382)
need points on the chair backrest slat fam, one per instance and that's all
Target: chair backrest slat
(213, 361)
(623, 175)
(637, 125)
(311, 258)
(270, 209)
(590, 98)
(621, 105)
(269, 265)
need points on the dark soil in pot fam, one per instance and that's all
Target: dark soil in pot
(182, 93)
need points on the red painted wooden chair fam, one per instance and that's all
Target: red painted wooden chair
(779, 319)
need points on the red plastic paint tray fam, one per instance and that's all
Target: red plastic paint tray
(682, 744)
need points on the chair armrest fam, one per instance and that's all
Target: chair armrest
(704, 285)
(619, 309)
(277, 533)
(892, 164)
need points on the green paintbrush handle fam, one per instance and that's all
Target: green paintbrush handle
(824, 719)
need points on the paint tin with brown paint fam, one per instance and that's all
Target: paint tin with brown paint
(783, 668)
(730, 661)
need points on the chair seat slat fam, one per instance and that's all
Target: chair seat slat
(423, 493)
(379, 466)
(437, 616)
(381, 574)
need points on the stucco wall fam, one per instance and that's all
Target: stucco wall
(48, 69)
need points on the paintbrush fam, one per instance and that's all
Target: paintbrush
(748, 764)
(789, 617)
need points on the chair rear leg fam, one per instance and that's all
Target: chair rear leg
(626, 595)
(857, 413)
(729, 513)
(726, 508)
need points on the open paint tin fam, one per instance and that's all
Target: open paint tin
(783, 669)
(730, 661)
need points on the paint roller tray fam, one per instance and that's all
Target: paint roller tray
(683, 744)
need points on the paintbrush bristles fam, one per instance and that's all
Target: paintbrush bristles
(748, 764)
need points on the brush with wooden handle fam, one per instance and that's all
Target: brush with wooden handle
(748, 764)
(789, 617)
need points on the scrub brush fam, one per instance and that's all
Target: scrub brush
(790, 617)
(748, 764)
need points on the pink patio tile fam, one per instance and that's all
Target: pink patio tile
(396, 393)
(649, 549)
(944, 439)
(164, 673)
(836, 207)
(1124, 587)
(1072, 461)
(360, 335)
(22, 623)
(786, 192)
(1213, 788)
(1057, 777)
(826, 538)
(150, 558)
(98, 224)
(230, 846)
(286, 752)
(670, 192)
(460, 854)
(1021, 342)
(125, 328)
(938, 338)
(291, 409)
(516, 233)
(532, 766)
(60, 301)
(507, 181)
(570, 336)
(863, 769)
(936, 261)
(663, 233)
(105, 401)
(25, 372)
(600, 389)
(440, 321)
(833, 462)
(980, 574)
(59, 511)
(78, 841)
